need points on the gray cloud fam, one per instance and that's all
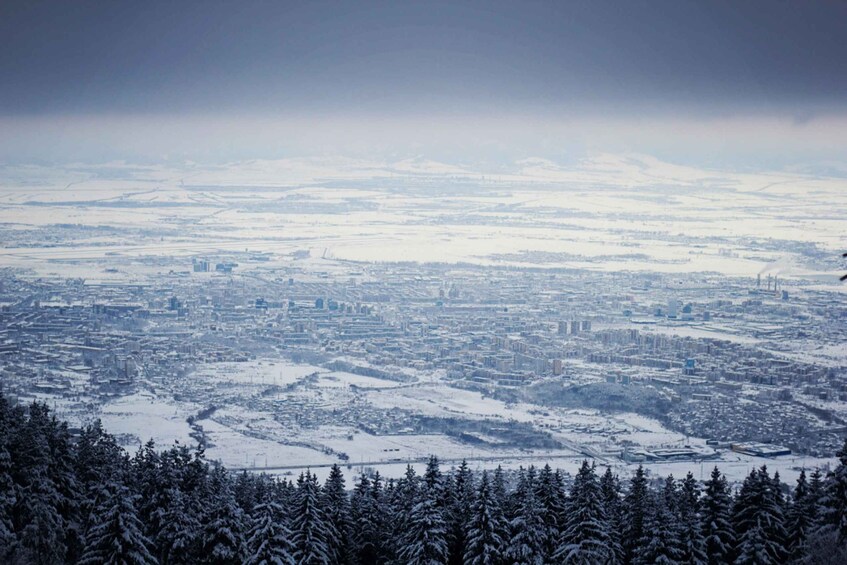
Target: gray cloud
(401, 58)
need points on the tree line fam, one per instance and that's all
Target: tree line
(80, 498)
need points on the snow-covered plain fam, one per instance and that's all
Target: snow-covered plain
(600, 208)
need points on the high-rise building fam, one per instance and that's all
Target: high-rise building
(673, 308)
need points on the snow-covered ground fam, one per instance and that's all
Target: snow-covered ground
(665, 218)
(601, 207)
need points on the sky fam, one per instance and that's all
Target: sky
(753, 82)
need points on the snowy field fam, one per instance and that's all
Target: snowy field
(146, 416)
(591, 213)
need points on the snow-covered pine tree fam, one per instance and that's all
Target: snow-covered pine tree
(97, 454)
(115, 534)
(222, 535)
(773, 515)
(244, 491)
(366, 536)
(177, 537)
(813, 499)
(41, 533)
(753, 549)
(264, 489)
(310, 529)
(550, 492)
(585, 538)
(425, 539)
(268, 540)
(381, 518)
(527, 531)
(797, 520)
(635, 506)
(717, 519)
(486, 532)
(833, 502)
(433, 478)
(459, 513)
(693, 543)
(147, 477)
(41, 528)
(405, 495)
(337, 505)
(610, 494)
(670, 493)
(498, 485)
(8, 496)
(660, 544)
(62, 473)
(513, 500)
(758, 514)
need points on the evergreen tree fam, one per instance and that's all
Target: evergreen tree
(223, 528)
(585, 539)
(367, 513)
(425, 540)
(115, 536)
(716, 519)
(487, 530)
(337, 505)
(815, 494)
(382, 515)
(833, 502)
(754, 547)
(610, 494)
(177, 538)
(634, 509)
(550, 492)
(660, 544)
(798, 518)
(498, 485)
(310, 529)
(61, 471)
(40, 514)
(41, 537)
(692, 541)
(405, 495)
(433, 479)
(527, 542)
(269, 541)
(244, 491)
(758, 518)
(8, 495)
(670, 494)
(461, 502)
(147, 474)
